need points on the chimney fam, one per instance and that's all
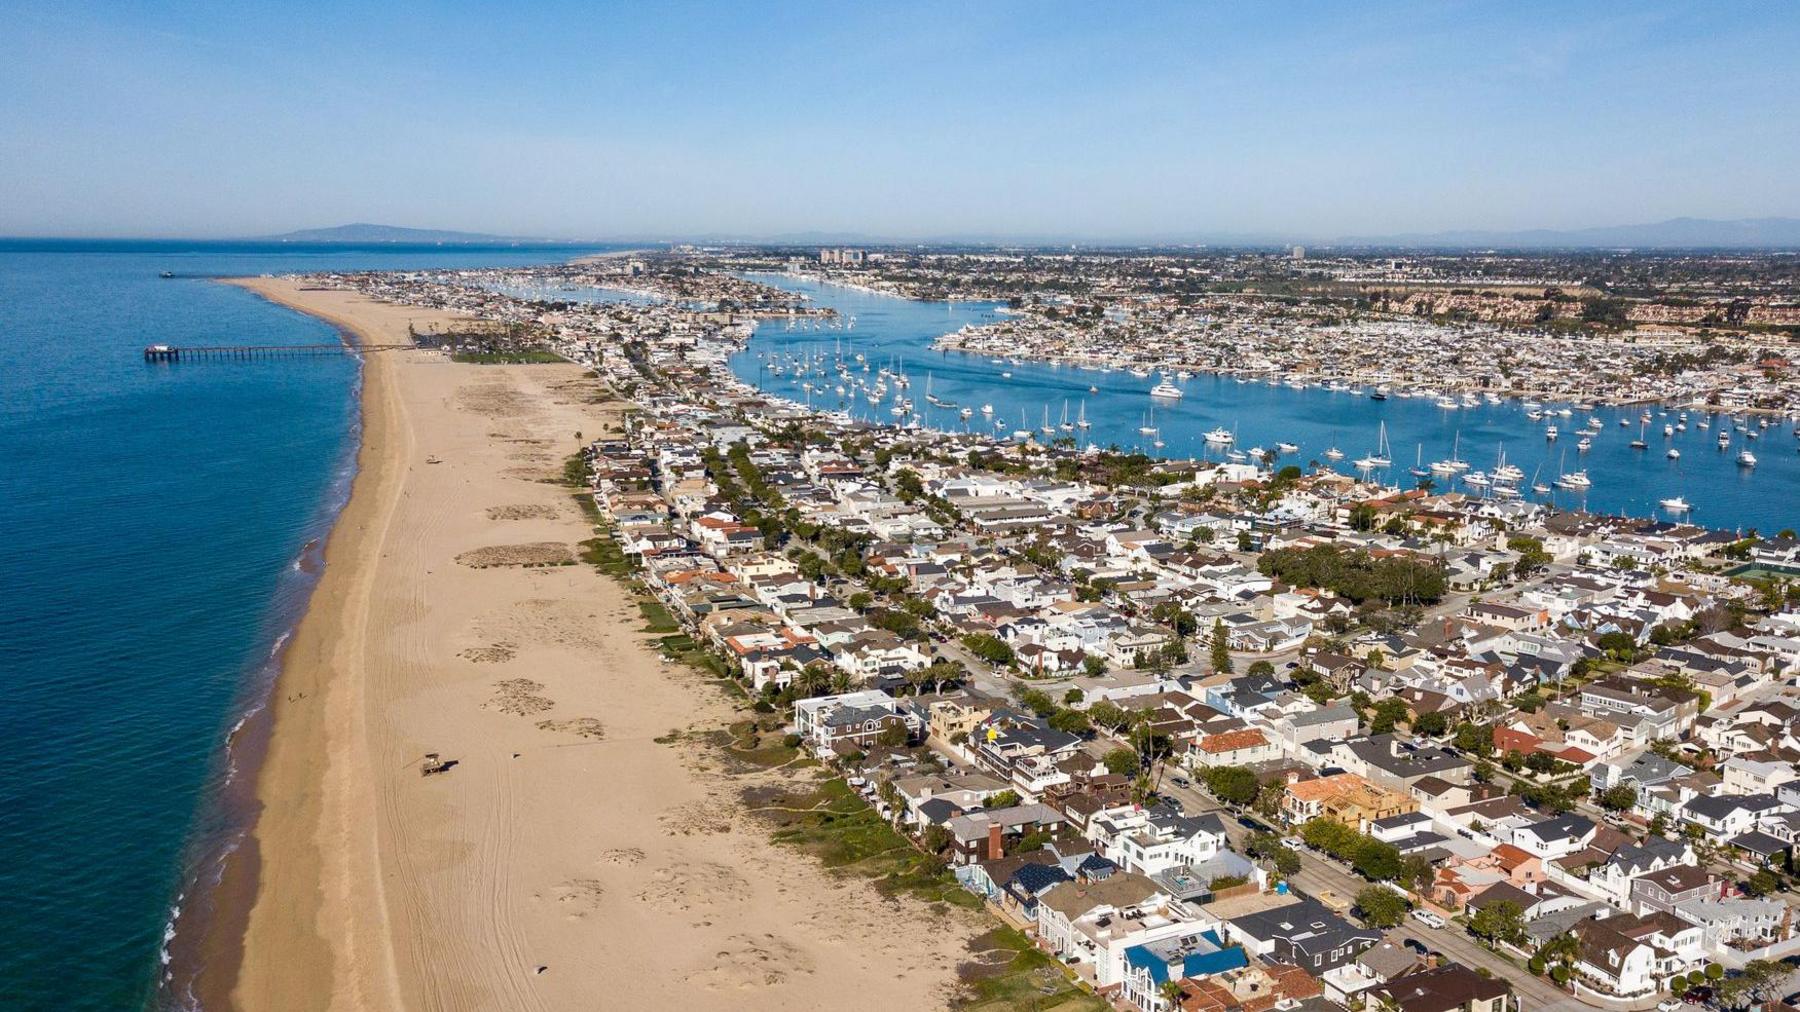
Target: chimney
(996, 850)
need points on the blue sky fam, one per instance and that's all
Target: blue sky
(1081, 120)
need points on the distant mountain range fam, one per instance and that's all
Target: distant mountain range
(1676, 233)
(363, 232)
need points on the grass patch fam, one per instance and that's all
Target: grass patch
(575, 472)
(1007, 972)
(656, 617)
(835, 825)
(525, 356)
(604, 554)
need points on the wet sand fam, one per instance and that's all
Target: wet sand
(569, 860)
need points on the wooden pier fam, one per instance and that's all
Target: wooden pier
(246, 352)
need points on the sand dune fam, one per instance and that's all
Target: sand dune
(569, 860)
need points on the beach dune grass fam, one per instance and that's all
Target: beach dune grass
(527, 356)
(1008, 972)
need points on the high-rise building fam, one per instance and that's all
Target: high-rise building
(1297, 253)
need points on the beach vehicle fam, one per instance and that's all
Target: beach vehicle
(1675, 504)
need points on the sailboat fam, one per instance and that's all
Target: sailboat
(1065, 424)
(1418, 469)
(1380, 457)
(1081, 421)
(1046, 428)
(1149, 426)
(1455, 465)
(1639, 443)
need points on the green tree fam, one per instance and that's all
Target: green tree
(1619, 797)
(1108, 714)
(1071, 722)
(1501, 921)
(1261, 669)
(1431, 724)
(1233, 785)
(1287, 861)
(1386, 715)
(1003, 799)
(1121, 762)
(1221, 649)
(1762, 883)
(1381, 907)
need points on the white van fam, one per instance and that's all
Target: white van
(1428, 918)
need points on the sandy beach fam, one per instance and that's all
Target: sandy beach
(569, 860)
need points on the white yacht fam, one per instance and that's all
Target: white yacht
(1674, 454)
(1746, 459)
(1166, 390)
(1575, 480)
(1676, 504)
(1220, 436)
(1334, 454)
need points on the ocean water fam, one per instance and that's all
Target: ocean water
(160, 524)
(897, 332)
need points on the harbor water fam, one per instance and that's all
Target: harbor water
(897, 334)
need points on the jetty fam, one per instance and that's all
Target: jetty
(240, 352)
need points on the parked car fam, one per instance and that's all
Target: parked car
(1698, 995)
(1428, 918)
(1415, 945)
(1668, 1005)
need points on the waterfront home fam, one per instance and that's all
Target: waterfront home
(990, 834)
(1089, 923)
(852, 720)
